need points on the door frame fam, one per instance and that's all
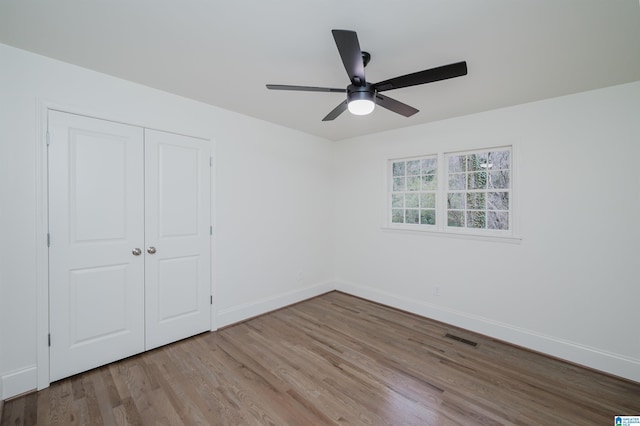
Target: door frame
(42, 226)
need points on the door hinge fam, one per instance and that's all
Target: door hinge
(48, 138)
(210, 161)
(49, 337)
(211, 299)
(211, 230)
(48, 240)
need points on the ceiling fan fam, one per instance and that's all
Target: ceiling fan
(362, 96)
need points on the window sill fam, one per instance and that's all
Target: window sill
(510, 239)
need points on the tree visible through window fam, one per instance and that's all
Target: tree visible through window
(478, 189)
(413, 194)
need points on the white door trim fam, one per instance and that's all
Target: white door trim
(42, 252)
(42, 108)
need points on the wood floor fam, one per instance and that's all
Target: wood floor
(334, 359)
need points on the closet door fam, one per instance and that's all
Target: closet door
(177, 232)
(96, 214)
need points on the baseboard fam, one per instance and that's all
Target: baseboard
(245, 311)
(18, 382)
(611, 363)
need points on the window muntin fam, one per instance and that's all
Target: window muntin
(413, 191)
(479, 189)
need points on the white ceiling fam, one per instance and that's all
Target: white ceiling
(224, 52)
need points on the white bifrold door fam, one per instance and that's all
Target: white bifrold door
(129, 248)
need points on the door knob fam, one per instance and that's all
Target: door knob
(136, 252)
(151, 250)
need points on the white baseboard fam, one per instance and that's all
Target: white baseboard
(245, 311)
(612, 363)
(18, 382)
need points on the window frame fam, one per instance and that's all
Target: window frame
(441, 227)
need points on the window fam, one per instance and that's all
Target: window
(470, 192)
(478, 189)
(413, 194)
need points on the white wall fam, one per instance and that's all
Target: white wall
(274, 223)
(570, 288)
(273, 192)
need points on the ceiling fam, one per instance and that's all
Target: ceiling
(224, 52)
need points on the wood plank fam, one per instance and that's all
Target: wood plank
(330, 360)
(14, 412)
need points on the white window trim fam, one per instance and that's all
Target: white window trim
(440, 229)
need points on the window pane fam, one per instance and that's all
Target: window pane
(455, 201)
(477, 180)
(397, 216)
(477, 162)
(429, 166)
(457, 163)
(455, 218)
(498, 220)
(458, 181)
(397, 200)
(476, 200)
(498, 201)
(427, 201)
(476, 220)
(413, 216)
(413, 183)
(413, 193)
(413, 167)
(499, 180)
(499, 160)
(411, 201)
(429, 182)
(479, 189)
(398, 168)
(428, 217)
(398, 184)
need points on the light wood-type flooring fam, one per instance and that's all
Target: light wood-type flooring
(334, 359)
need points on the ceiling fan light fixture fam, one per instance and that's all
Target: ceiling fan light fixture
(361, 99)
(361, 106)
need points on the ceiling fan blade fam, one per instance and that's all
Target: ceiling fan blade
(349, 49)
(395, 106)
(305, 88)
(421, 77)
(336, 111)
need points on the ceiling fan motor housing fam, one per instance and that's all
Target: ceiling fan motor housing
(366, 92)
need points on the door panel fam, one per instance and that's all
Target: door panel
(97, 164)
(97, 301)
(178, 288)
(96, 214)
(177, 170)
(177, 199)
